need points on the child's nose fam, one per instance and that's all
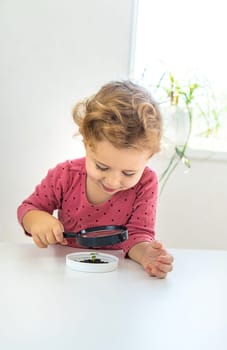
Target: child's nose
(113, 181)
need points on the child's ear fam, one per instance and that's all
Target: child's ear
(86, 143)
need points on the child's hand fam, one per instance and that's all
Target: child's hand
(156, 260)
(44, 228)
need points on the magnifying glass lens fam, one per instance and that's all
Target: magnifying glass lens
(99, 236)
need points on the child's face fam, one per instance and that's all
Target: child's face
(113, 170)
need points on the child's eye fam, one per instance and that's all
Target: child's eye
(128, 174)
(102, 168)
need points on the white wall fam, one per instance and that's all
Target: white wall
(52, 53)
(193, 206)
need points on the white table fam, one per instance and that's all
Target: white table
(45, 305)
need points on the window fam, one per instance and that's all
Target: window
(187, 39)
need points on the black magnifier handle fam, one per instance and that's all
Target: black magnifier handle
(70, 234)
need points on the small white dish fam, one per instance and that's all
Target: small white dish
(76, 262)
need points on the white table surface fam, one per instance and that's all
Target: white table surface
(45, 305)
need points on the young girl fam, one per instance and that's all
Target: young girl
(121, 128)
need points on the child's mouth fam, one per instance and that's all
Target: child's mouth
(110, 190)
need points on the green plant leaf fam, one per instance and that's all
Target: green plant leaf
(180, 152)
(186, 162)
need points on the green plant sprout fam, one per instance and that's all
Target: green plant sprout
(93, 257)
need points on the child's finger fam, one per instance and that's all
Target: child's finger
(156, 245)
(38, 242)
(164, 267)
(64, 242)
(161, 274)
(165, 259)
(156, 272)
(58, 234)
(50, 237)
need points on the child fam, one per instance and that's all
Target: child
(121, 129)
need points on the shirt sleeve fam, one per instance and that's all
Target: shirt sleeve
(141, 225)
(47, 196)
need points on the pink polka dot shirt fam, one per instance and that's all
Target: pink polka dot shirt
(63, 189)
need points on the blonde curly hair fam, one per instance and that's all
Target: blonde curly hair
(123, 113)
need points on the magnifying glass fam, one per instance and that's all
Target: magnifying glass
(99, 236)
